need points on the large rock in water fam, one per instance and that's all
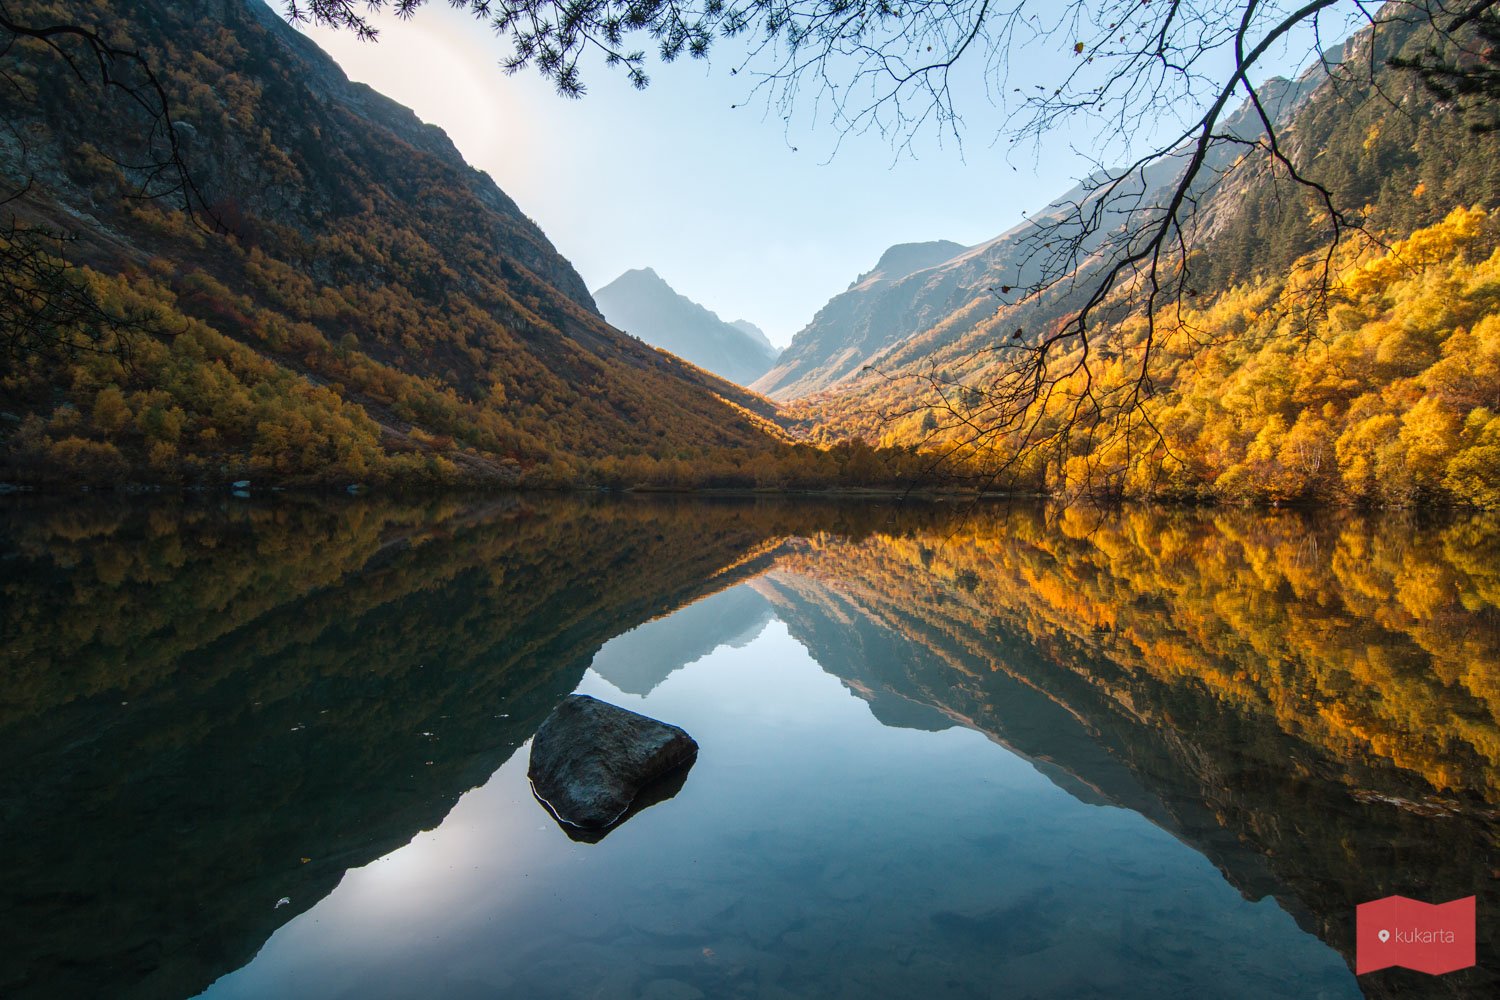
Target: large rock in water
(590, 759)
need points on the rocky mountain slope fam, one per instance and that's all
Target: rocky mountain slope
(879, 308)
(351, 300)
(641, 303)
(919, 288)
(1275, 367)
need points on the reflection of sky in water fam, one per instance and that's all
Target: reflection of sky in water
(812, 852)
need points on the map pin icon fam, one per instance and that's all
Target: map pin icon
(1384, 936)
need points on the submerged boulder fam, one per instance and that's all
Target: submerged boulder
(590, 759)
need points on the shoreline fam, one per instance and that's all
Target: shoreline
(925, 494)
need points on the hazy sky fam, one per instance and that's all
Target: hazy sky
(732, 207)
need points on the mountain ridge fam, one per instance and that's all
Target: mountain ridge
(755, 333)
(642, 303)
(378, 309)
(849, 328)
(917, 287)
(1244, 383)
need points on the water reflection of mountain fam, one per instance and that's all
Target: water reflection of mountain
(229, 691)
(638, 660)
(1050, 641)
(208, 709)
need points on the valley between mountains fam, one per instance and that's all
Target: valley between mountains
(350, 303)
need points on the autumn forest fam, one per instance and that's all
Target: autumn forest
(318, 303)
(1099, 600)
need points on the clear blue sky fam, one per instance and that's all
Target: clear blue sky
(734, 208)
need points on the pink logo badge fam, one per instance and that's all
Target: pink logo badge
(1429, 937)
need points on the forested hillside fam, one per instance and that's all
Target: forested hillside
(337, 298)
(374, 309)
(1263, 382)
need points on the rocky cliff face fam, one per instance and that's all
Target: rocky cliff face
(346, 147)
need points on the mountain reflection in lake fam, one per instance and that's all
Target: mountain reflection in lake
(270, 751)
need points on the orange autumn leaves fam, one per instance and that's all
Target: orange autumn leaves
(1385, 390)
(1367, 638)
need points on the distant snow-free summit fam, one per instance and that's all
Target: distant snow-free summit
(642, 304)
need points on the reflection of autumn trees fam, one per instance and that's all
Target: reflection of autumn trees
(1276, 690)
(281, 666)
(113, 597)
(109, 598)
(1367, 639)
(195, 697)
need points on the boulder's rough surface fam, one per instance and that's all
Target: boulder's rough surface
(591, 758)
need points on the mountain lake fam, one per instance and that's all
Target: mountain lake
(277, 747)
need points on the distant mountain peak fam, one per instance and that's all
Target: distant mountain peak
(756, 334)
(920, 287)
(643, 304)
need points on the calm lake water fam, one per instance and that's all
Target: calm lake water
(279, 749)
